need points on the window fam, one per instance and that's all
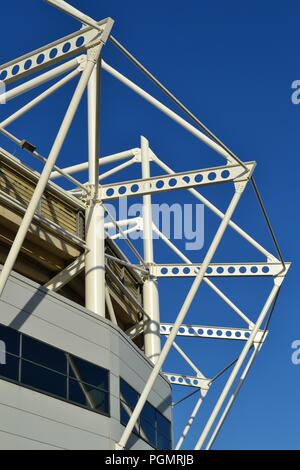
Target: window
(148, 424)
(44, 355)
(129, 398)
(151, 426)
(52, 371)
(164, 441)
(89, 373)
(88, 384)
(10, 351)
(10, 368)
(43, 379)
(88, 396)
(11, 339)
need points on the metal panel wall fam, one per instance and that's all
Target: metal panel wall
(32, 420)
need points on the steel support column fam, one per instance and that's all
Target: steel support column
(150, 289)
(95, 233)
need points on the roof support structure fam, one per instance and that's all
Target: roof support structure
(95, 213)
(150, 288)
(32, 207)
(81, 54)
(180, 318)
(219, 213)
(41, 79)
(39, 98)
(168, 112)
(102, 161)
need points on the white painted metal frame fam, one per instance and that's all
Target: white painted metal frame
(82, 53)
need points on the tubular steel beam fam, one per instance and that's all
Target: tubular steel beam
(188, 360)
(189, 423)
(110, 307)
(39, 98)
(172, 97)
(102, 161)
(232, 398)
(126, 263)
(65, 276)
(74, 12)
(167, 111)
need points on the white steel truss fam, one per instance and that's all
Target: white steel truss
(213, 332)
(80, 55)
(230, 173)
(218, 270)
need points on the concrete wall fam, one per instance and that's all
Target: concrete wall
(31, 420)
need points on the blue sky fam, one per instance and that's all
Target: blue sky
(232, 63)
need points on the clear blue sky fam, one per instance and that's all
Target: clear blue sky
(233, 64)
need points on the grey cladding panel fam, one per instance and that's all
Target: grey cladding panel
(33, 420)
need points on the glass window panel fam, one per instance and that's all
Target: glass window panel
(44, 354)
(147, 431)
(163, 425)
(163, 443)
(44, 379)
(88, 373)
(10, 369)
(147, 424)
(88, 396)
(148, 413)
(128, 394)
(152, 425)
(11, 338)
(124, 413)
